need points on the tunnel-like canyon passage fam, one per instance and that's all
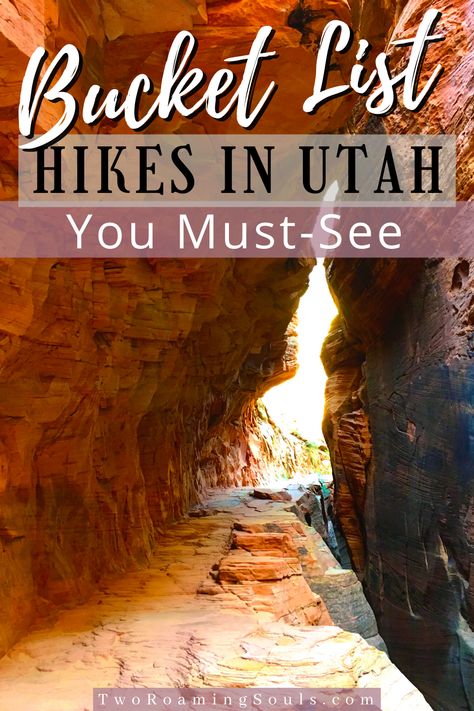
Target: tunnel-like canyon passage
(129, 397)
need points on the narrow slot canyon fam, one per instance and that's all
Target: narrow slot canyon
(165, 517)
(222, 539)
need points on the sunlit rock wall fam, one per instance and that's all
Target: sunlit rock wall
(126, 387)
(112, 375)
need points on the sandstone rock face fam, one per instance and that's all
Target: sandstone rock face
(127, 387)
(418, 491)
(399, 412)
(347, 433)
(251, 449)
(113, 375)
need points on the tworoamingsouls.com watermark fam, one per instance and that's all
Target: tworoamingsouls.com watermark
(236, 698)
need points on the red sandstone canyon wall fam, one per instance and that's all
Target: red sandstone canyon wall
(127, 386)
(113, 374)
(399, 412)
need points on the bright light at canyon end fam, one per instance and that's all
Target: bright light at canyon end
(298, 404)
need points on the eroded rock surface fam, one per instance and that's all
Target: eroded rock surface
(339, 588)
(418, 492)
(164, 626)
(399, 409)
(120, 383)
(128, 387)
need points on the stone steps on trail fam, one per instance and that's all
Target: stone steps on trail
(226, 601)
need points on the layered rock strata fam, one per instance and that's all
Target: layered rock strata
(339, 588)
(127, 387)
(113, 376)
(399, 409)
(417, 491)
(186, 621)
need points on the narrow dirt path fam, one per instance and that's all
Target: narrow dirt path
(225, 602)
